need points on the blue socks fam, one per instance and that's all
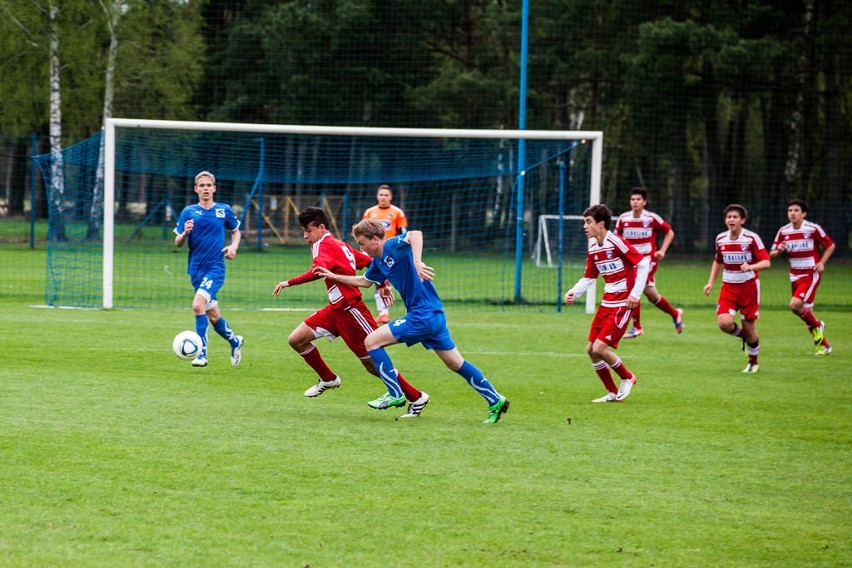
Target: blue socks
(221, 327)
(480, 384)
(201, 325)
(386, 371)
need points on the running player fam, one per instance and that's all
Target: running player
(202, 226)
(801, 240)
(399, 260)
(625, 271)
(640, 228)
(394, 222)
(740, 255)
(345, 316)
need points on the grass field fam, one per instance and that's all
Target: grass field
(116, 453)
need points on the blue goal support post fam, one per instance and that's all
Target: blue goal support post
(114, 199)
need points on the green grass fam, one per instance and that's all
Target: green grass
(116, 453)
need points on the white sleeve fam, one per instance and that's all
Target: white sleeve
(642, 270)
(582, 285)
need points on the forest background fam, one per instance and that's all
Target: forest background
(704, 103)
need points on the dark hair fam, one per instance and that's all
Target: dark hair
(599, 213)
(800, 202)
(385, 186)
(315, 216)
(738, 208)
(639, 191)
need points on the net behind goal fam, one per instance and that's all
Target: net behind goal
(115, 198)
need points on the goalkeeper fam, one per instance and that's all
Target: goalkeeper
(394, 223)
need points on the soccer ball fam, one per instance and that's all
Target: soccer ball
(187, 345)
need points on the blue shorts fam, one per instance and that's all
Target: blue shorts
(429, 328)
(208, 285)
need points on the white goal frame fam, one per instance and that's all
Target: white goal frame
(595, 138)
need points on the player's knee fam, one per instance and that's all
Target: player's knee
(796, 305)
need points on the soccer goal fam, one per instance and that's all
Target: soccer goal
(474, 193)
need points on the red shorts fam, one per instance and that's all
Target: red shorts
(352, 323)
(744, 297)
(610, 324)
(805, 288)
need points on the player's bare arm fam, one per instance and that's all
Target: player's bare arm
(820, 266)
(667, 241)
(187, 229)
(359, 281)
(231, 250)
(714, 272)
(415, 240)
(280, 286)
(756, 267)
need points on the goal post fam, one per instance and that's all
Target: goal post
(457, 185)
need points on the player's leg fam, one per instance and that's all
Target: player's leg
(319, 324)
(199, 309)
(452, 358)
(375, 343)
(381, 309)
(802, 303)
(211, 284)
(599, 365)
(355, 324)
(608, 339)
(220, 326)
(663, 305)
(752, 341)
(750, 311)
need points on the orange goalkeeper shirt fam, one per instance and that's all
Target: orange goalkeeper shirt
(392, 219)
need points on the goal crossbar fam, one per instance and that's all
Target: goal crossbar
(593, 138)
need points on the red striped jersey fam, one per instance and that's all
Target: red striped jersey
(642, 231)
(340, 258)
(614, 259)
(732, 252)
(803, 246)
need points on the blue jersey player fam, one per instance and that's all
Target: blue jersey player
(398, 259)
(202, 227)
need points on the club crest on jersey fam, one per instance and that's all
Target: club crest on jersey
(646, 223)
(609, 254)
(807, 235)
(220, 213)
(744, 247)
(388, 261)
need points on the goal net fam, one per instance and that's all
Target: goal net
(114, 199)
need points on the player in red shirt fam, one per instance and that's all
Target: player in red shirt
(394, 223)
(625, 271)
(740, 255)
(345, 316)
(801, 241)
(640, 228)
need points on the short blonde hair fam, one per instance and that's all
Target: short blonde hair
(368, 228)
(205, 173)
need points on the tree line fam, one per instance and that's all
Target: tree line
(703, 102)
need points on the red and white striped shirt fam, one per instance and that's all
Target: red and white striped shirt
(614, 259)
(641, 232)
(731, 253)
(340, 258)
(802, 247)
